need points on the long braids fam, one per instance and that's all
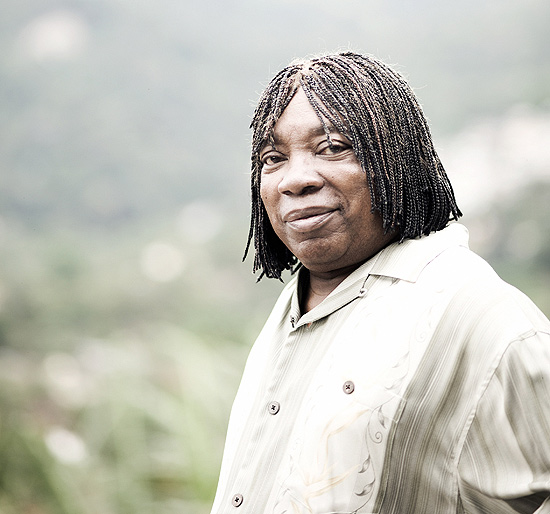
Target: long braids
(374, 107)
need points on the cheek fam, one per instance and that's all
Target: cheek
(269, 199)
(263, 192)
(264, 198)
(360, 201)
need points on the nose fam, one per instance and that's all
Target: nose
(300, 177)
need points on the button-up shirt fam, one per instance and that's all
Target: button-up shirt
(421, 385)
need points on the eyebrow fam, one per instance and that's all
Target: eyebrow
(317, 131)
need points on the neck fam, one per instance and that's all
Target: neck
(317, 286)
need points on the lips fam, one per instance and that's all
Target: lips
(308, 219)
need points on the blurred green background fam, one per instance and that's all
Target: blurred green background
(125, 311)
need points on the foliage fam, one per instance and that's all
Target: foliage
(514, 237)
(125, 313)
(127, 425)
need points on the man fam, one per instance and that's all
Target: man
(397, 373)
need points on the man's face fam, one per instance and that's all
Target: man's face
(317, 197)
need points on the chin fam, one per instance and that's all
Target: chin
(322, 263)
(321, 257)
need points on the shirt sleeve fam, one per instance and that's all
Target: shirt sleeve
(505, 462)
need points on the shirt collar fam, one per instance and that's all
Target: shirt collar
(406, 260)
(403, 261)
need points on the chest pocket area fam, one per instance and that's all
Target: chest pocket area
(336, 453)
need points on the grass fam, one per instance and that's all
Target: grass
(129, 425)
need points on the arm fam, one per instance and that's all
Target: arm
(505, 462)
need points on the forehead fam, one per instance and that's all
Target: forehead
(299, 121)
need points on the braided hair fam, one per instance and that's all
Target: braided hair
(375, 108)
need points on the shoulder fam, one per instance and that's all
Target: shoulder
(506, 448)
(479, 294)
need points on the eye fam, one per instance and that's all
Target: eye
(334, 148)
(271, 159)
(337, 147)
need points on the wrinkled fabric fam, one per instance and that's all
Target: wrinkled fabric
(420, 385)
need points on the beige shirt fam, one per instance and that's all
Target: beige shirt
(420, 385)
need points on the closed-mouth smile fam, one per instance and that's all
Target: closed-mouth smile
(305, 220)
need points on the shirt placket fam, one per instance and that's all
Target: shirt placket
(272, 417)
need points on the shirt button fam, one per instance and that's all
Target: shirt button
(274, 407)
(349, 387)
(237, 500)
